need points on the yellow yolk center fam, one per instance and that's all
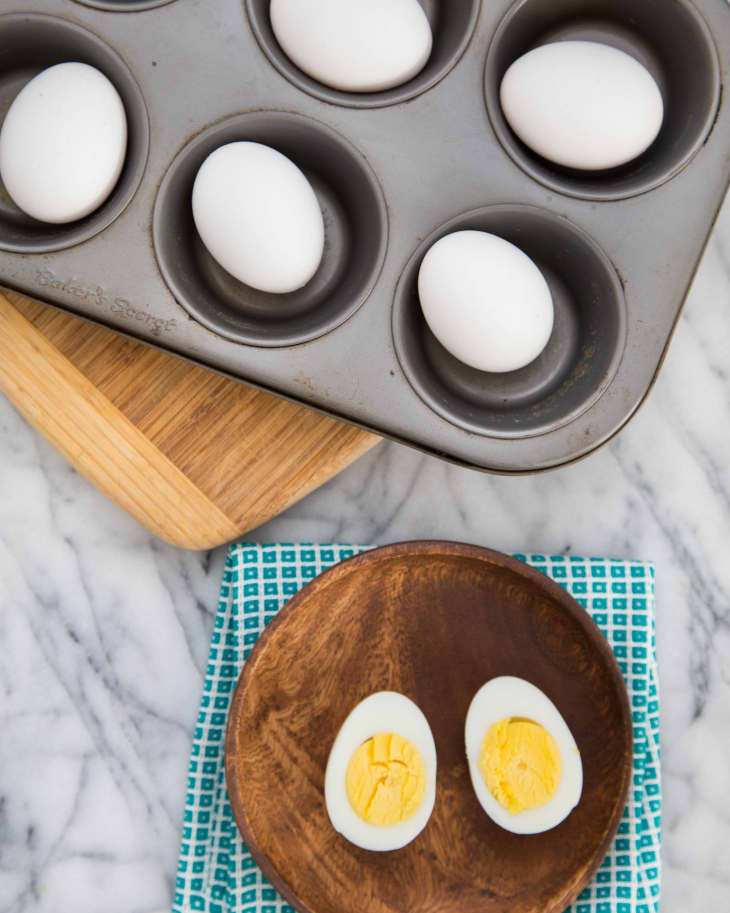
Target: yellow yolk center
(521, 764)
(385, 780)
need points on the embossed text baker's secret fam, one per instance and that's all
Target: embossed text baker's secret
(115, 304)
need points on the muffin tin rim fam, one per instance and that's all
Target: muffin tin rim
(429, 433)
(108, 6)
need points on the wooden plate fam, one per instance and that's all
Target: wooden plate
(432, 620)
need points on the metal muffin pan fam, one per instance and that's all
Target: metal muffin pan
(393, 171)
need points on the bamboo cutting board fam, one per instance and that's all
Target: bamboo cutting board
(196, 458)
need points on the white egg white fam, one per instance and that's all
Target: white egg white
(63, 143)
(385, 711)
(358, 46)
(506, 697)
(582, 104)
(485, 301)
(259, 217)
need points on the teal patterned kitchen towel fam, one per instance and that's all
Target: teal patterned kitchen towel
(215, 872)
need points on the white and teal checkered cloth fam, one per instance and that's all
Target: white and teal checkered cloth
(216, 874)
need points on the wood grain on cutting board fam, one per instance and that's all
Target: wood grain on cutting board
(196, 458)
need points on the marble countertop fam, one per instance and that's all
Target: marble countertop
(104, 630)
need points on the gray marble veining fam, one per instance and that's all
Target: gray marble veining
(104, 630)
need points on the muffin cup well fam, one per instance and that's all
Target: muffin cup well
(669, 37)
(356, 232)
(452, 24)
(581, 356)
(31, 43)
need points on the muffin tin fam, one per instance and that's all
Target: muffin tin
(393, 171)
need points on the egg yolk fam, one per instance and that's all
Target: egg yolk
(520, 763)
(385, 780)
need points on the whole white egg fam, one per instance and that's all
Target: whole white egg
(259, 217)
(582, 104)
(357, 46)
(511, 698)
(383, 712)
(63, 143)
(485, 301)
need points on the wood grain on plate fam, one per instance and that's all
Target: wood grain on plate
(196, 458)
(433, 621)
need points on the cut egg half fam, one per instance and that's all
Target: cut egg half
(380, 782)
(525, 766)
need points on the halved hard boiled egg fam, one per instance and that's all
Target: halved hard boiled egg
(524, 763)
(380, 783)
